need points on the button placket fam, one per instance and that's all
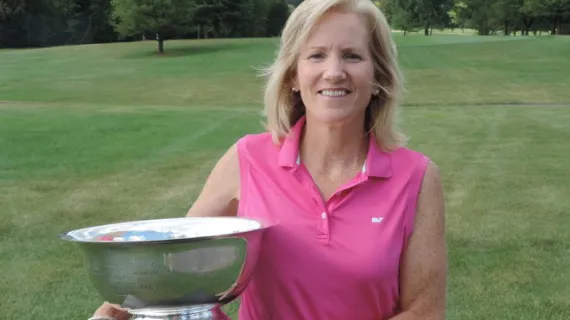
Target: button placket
(320, 205)
(323, 226)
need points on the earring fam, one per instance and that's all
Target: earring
(295, 89)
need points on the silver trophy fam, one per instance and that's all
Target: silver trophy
(171, 269)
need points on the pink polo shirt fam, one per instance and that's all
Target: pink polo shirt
(330, 260)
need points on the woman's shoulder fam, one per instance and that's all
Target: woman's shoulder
(257, 144)
(410, 163)
(407, 156)
(256, 139)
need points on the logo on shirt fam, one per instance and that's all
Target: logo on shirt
(377, 219)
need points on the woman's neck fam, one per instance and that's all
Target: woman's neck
(329, 148)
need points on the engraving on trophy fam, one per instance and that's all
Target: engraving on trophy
(203, 261)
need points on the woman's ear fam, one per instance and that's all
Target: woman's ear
(294, 82)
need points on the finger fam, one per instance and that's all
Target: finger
(116, 306)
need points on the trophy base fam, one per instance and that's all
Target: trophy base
(200, 312)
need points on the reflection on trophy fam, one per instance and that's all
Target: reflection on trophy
(180, 268)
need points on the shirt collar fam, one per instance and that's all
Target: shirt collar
(377, 164)
(289, 156)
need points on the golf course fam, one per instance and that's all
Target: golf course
(102, 133)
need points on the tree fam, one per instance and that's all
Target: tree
(33, 22)
(259, 22)
(432, 13)
(99, 14)
(11, 8)
(529, 12)
(161, 17)
(459, 15)
(277, 17)
(555, 11)
(403, 18)
(228, 18)
(506, 13)
(237, 17)
(404, 15)
(387, 8)
(479, 15)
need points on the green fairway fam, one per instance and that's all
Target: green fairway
(448, 69)
(104, 133)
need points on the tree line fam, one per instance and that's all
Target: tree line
(506, 17)
(29, 23)
(36, 23)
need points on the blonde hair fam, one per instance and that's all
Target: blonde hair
(282, 109)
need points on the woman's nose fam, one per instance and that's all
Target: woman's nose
(334, 70)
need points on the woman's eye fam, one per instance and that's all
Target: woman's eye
(352, 56)
(316, 56)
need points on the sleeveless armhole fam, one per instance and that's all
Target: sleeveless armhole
(415, 187)
(243, 175)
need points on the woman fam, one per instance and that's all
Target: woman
(361, 232)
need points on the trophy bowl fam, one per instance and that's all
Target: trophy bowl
(177, 268)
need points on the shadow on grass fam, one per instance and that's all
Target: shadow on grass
(176, 50)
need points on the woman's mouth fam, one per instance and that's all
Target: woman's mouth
(334, 92)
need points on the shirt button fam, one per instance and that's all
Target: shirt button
(323, 215)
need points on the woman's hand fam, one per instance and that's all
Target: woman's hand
(112, 310)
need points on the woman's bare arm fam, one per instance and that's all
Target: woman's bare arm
(424, 267)
(220, 194)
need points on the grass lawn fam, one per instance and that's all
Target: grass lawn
(104, 133)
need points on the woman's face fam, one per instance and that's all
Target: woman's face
(335, 72)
